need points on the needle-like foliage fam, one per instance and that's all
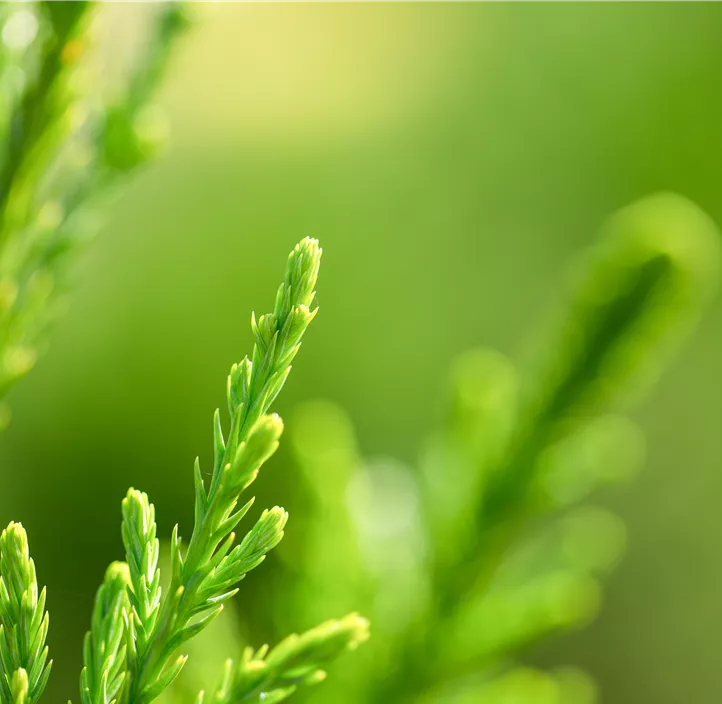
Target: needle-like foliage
(24, 666)
(104, 649)
(64, 143)
(444, 558)
(141, 545)
(269, 677)
(493, 553)
(130, 654)
(206, 575)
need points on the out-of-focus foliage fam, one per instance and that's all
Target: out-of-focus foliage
(485, 550)
(68, 135)
(451, 157)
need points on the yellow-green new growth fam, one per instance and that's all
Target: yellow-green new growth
(207, 574)
(24, 666)
(253, 386)
(130, 654)
(20, 687)
(104, 648)
(141, 546)
(271, 677)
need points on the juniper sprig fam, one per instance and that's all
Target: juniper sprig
(130, 654)
(207, 574)
(24, 665)
(142, 547)
(104, 648)
(65, 143)
(272, 676)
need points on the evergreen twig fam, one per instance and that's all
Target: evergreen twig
(24, 665)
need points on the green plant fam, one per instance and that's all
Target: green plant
(484, 550)
(67, 142)
(463, 564)
(131, 651)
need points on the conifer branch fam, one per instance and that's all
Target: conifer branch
(207, 574)
(144, 593)
(24, 666)
(130, 652)
(104, 648)
(273, 676)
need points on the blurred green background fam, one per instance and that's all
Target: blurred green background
(452, 159)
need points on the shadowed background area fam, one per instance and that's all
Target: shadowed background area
(452, 160)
